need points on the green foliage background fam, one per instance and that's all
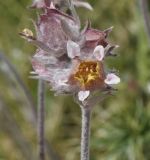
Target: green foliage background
(120, 125)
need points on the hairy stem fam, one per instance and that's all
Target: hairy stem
(41, 117)
(50, 150)
(85, 135)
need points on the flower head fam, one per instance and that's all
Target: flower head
(71, 59)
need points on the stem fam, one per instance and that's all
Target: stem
(85, 135)
(41, 117)
(145, 12)
(13, 70)
(51, 151)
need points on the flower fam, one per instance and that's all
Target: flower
(88, 72)
(69, 58)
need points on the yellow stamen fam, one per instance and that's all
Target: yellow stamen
(87, 72)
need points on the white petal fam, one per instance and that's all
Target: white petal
(82, 95)
(111, 78)
(73, 49)
(99, 53)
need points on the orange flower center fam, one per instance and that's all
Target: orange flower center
(89, 73)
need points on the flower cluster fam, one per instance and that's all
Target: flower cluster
(69, 58)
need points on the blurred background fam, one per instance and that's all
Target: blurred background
(120, 125)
